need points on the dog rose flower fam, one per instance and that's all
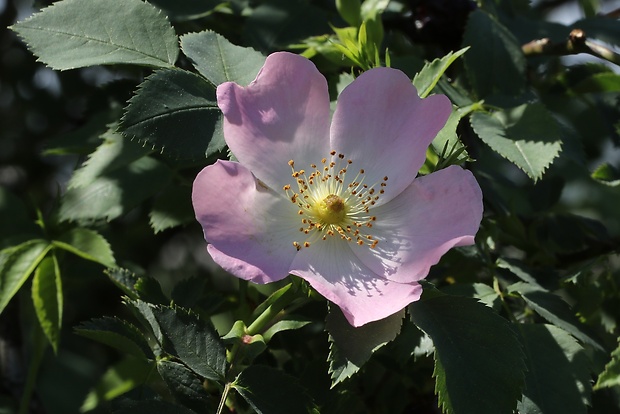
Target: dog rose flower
(334, 200)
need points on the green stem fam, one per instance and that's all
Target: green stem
(38, 350)
(272, 311)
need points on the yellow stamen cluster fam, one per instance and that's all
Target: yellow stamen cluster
(331, 205)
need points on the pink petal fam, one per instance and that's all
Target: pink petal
(437, 212)
(336, 273)
(282, 115)
(249, 226)
(384, 127)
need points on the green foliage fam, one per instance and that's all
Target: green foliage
(87, 244)
(610, 377)
(426, 79)
(270, 391)
(186, 387)
(475, 349)
(118, 334)
(557, 379)
(218, 60)
(526, 135)
(351, 347)
(175, 112)
(48, 300)
(77, 33)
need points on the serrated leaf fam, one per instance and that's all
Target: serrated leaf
(270, 391)
(193, 340)
(144, 312)
(77, 33)
(495, 63)
(186, 387)
(557, 380)
(88, 244)
(447, 139)
(351, 347)
(149, 290)
(16, 264)
(48, 299)
(610, 377)
(476, 350)
(555, 310)
(113, 153)
(607, 174)
(483, 292)
(218, 60)
(172, 208)
(526, 135)
(115, 193)
(175, 112)
(124, 279)
(118, 334)
(119, 379)
(426, 79)
(187, 292)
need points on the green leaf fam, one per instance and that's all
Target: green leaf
(114, 152)
(220, 61)
(48, 300)
(610, 377)
(175, 112)
(607, 174)
(149, 290)
(118, 334)
(119, 379)
(426, 79)
(144, 312)
(599, 83)
(270, 391)
(495, 63)
(249, 346)
(289, 322)
(16, 264)
(115, 193)
(172, 208)
(186, 10)
(351, 347)
(77, 33)
(476, 350)
(527, 135)
(124, 279)
(350, 11)
(483, 292)
(555, 310)
(88, 244)
(186, 387)
(85, 139)
(558, 377)
(447, 140)
(193, 340)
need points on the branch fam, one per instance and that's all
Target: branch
(575, 44)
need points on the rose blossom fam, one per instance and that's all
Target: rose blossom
(334, 200)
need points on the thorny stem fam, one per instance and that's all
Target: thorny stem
(576, 43)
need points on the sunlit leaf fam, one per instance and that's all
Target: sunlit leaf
(48, 299)
(118, 334)
(76, 33)
(427, 78)
(610, 377)
(220, 61)
(88, 244)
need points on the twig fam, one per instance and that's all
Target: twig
(576, 43)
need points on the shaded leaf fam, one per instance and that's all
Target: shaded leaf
(610, 377)
(88, 244)
(186, 387)
(151, 407)
(447, 140)
(270, 391)
(172, 208)
(558, 377)
(119, 379)
(426, 79)
(476, 350)
(149, 290)
(290, 322)
(175, 112)
(607, 174)
(124, 279)
(77, 33)
(351, 347)
(220, 61)
(193, 340)
(555, 310)
(527, 136)
(115, 193)
(16, 226)
(16, 264)
(118, 334)
(495, 63)
(47, 298)
(186, 10)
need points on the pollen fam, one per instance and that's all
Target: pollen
(333, 199)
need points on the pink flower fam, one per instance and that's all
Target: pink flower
(335, 203)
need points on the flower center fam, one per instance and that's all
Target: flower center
(331, 203)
